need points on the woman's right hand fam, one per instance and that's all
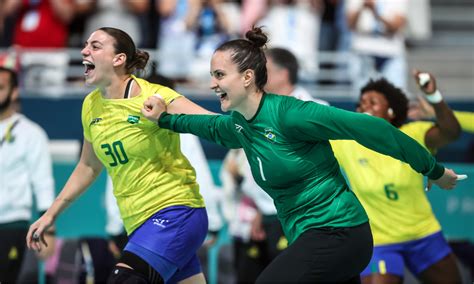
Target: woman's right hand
(35, 237)
(153, 107)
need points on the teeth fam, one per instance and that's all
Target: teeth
(87, 63)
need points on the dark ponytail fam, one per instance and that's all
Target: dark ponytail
(136, 58)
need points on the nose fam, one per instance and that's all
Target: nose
(213, 83)
(85, 51)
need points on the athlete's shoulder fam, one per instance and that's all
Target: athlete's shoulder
(93, 96)
(151, 89)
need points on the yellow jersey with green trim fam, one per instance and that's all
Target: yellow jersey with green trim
(466, 120)
(391, 192)
(148, 170)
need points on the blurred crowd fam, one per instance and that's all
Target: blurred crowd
(184, 33)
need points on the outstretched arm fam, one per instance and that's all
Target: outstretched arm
(216, 128)
(83, 175)
(313, 122)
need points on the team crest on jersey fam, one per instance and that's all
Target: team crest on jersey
(95, 121)
(133, 119)
(269, 134)
(364, 162)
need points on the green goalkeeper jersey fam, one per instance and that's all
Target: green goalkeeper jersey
(287, 147)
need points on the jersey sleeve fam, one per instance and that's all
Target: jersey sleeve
(215, 128)
(313, 122)
(167, 94)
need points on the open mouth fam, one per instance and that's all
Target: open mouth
(221, 95)
(88, 67)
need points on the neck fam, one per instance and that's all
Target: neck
(7, 113)
(116, 88)
(251, 105)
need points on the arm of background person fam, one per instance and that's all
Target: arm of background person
(446, 128)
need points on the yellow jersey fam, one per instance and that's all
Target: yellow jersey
(391, 192)
(466, 120)
(148, 170)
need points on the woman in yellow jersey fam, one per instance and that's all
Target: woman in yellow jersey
(154, 184)
(406, 232)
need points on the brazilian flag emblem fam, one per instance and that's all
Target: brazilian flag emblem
(269, 134)
(133, 119)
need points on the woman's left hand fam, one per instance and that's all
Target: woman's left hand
(153, 107)
(448, 180)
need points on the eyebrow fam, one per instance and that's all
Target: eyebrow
(92, 42)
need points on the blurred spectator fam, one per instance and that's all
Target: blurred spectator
(334, 32)
(419, 20)
(213, 28)
(295, 25)
(177, 38)
(6, 26)
(283, 69)
(40, 23)
(123, 14)
(378, 37)
(25, 170)
(252, 12)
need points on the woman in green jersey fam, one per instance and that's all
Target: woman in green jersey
(154, 184)
(286, 142)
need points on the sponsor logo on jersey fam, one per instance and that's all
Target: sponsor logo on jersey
(238, 127)
(269, 134)
(133, 119)
(95, 121)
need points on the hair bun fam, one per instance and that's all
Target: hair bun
(257, 37)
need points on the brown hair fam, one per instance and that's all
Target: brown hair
(248, 54)
(136, 58)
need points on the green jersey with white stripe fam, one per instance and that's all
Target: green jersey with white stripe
(287, 147)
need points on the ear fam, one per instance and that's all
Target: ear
(249, 77)
(119, 59)
(390, 113)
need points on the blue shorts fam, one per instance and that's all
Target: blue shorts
(416, 255)
(169, 240)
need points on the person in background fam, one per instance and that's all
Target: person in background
(283, 74)
(26, 171)
(405, 229)
(154, 184)
(377, 37)
(286, 142)
(40, 23)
